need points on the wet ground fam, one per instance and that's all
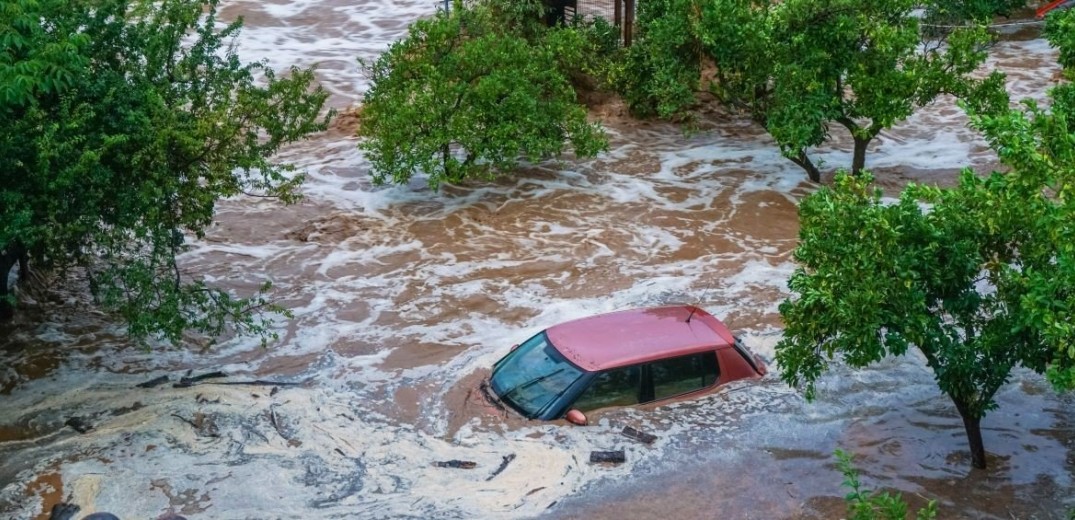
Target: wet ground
(403, 298)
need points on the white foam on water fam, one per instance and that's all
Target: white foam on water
(331, 35)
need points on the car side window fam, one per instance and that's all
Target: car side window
(617, 387)
(683, 374)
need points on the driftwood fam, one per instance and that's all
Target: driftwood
(613, 457)
(261, 382)
(157, 381)
(187, 380)
(457, 464)
(503, 465)
(202, 379)
(638, 435)
(137, 405)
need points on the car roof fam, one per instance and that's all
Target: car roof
(638, 336)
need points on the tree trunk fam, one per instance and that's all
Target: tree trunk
(858, 161)
(8, 258)
(973, 426)
(805, 163)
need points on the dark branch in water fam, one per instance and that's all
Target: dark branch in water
(157, 381)
(503, 465)
(187, 381)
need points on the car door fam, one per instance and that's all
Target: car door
(650, 382)
(681, 375)
(615, 387)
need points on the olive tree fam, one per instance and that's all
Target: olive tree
(122, 123)
(470, 92)
(798, 67)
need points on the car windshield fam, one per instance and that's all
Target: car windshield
(533, 376)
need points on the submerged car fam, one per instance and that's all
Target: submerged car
(620, 359)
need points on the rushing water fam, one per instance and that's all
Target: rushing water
(403, 298)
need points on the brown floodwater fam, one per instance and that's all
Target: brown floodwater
(403, 298)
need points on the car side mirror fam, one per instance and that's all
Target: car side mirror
(576, 417)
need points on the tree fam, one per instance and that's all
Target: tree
(466, 95)
(661, 70)
(123, 123)
(980, 280)
(798, 66)
(958, 281)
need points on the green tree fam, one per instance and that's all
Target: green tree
(661, 71)
(466, 95)
(958, 281)
(865, 505)
(980, 280)
(799, 66)
(123, 123)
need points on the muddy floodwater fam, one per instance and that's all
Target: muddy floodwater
(403, 298)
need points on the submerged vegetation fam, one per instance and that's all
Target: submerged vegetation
(863, 504)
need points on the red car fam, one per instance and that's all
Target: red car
(620, 359)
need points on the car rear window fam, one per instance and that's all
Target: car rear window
(618, 387)
(684, 374)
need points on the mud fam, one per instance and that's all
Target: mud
(404, 298)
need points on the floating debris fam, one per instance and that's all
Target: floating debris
(79, 424)
(611, 457)
(638, 435)
(457, 464)
(63, 511)
(187, 380)
(157, 381)
(503, 465)
(204, 424)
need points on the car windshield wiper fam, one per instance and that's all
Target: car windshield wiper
(531, 382)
